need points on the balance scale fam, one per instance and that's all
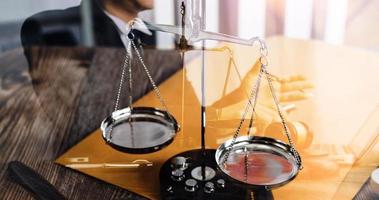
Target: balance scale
(244, 167)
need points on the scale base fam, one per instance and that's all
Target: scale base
(181, 179)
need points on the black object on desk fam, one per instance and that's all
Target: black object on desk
(33, 182)
(369, 190)
(181, 178)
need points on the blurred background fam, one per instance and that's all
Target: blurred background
(347, 22)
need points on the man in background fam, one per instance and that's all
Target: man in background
(109, 20)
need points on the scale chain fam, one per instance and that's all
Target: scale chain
(247, 108)
(263, 52)
(251, 123)
(129, 55)
(254, 93)
(156, 89)
(123, 71)
(284, 123)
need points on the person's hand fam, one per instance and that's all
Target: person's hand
(288, 90)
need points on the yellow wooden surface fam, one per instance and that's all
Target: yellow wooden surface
(345, 95)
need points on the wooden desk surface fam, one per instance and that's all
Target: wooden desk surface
(345, 95)
(42, 119)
